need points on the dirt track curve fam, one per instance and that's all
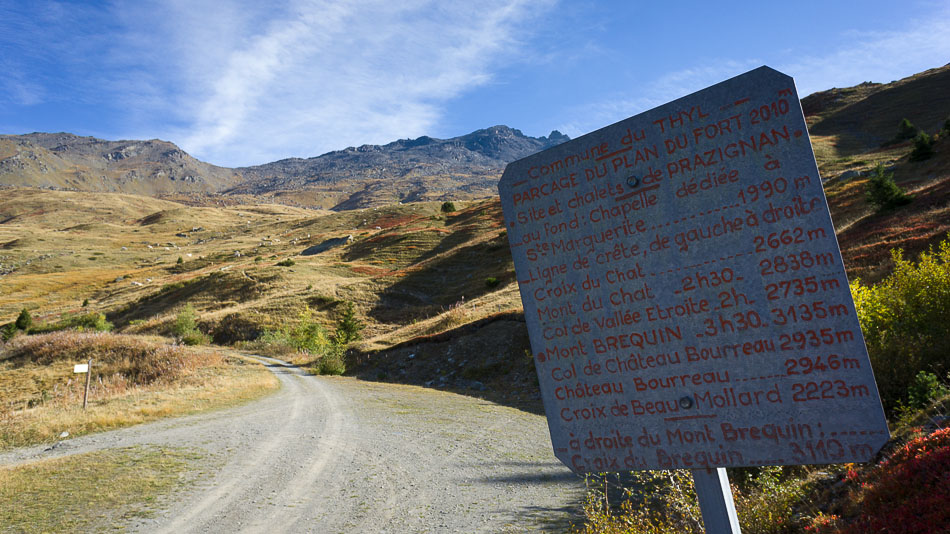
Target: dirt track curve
(334, 455)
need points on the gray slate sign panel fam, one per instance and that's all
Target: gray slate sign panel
(684, 291)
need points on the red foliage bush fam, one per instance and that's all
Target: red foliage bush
(910, 493)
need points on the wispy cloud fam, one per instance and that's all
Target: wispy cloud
(651, 94)
(876, 56)
(870, 56)
(244, 86)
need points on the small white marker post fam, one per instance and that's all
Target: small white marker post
(715, 501)
(84, 368)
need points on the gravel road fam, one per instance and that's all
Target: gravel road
(339, 455)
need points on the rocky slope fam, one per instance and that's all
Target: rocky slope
(67, 161)
(406, 170)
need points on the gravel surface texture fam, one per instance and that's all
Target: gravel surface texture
(340, 455)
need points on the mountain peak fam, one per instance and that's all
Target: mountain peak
(466, 166)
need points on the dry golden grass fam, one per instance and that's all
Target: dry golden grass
(504, 300)
(866, 236)
(134, 380)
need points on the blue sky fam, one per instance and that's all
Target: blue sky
(244, 82)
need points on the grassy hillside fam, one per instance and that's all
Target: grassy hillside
(853, 130)
(71, 162)
(855, 120)
(404, 265)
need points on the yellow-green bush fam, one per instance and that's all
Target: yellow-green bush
(185, 327)
(664, 502)
(308, 337)
(906, 321)
(86, 322)
(769, 502)
(656, 502)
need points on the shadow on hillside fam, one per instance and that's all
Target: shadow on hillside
(403, 245)
(217, 287)
(486, 359)
(872, 120)
(444, 282)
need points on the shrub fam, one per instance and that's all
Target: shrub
(308, 342)
(910, 491)
(905, 318)
(307, 336)
(185, 327)
(905, 130)
(24, 321)
(923, 147)
(89, 321)
(185, 321)
(286, 263)
(925, 389)
(8, 332)
(94, 322)
(348, 327)
(331, 363)
(85, 302)
(491, 282)
(664, 502)
(769, 504)
(180, 260)
(883, 193)
(194, 337)
(946, 127)
(448, 206)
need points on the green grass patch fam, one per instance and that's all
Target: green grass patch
(84, 322)
(94, 491)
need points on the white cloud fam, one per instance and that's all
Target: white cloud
(16, 89)
(871, 56)
(247, 87)
(875, 56)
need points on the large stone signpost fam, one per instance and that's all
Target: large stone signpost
(684, 291)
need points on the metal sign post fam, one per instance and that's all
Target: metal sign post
(715, 501)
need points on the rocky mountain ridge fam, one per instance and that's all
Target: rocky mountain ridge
(67, 161)
(425, 168)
